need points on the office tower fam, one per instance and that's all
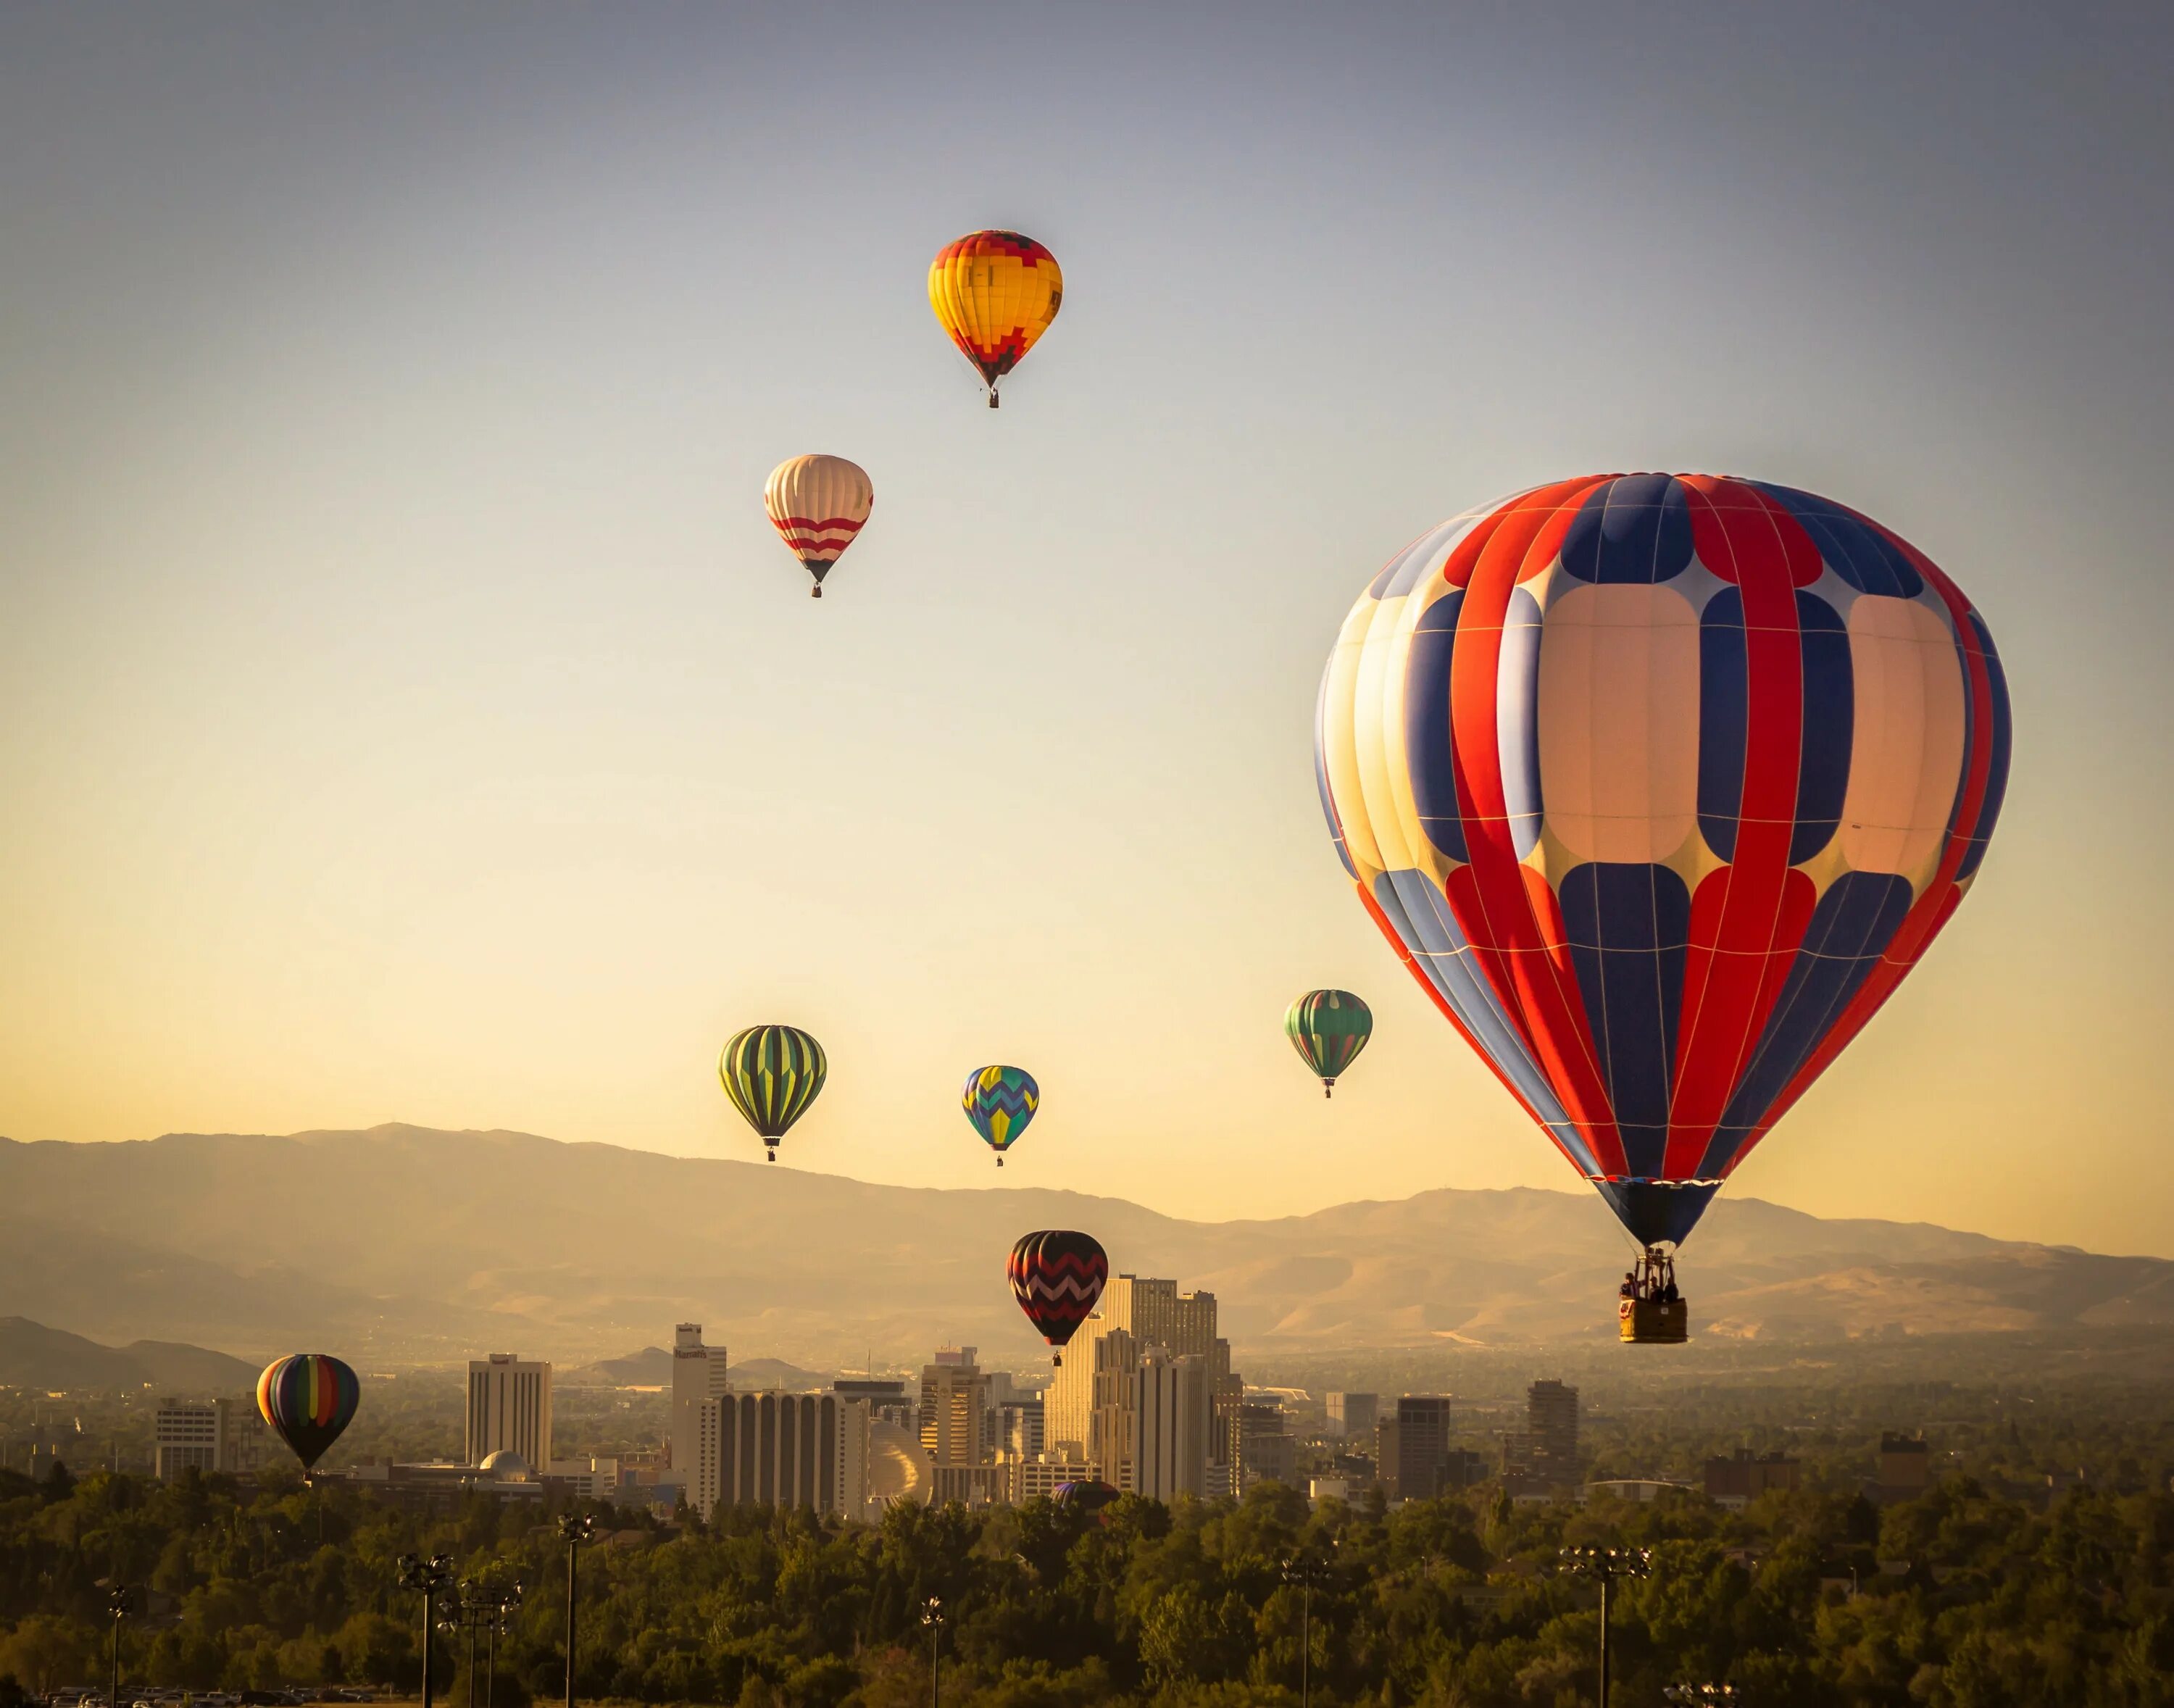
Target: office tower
(1020, 1431)
(1736, 1480)
(1388, 1457)
(698, 1374)
(783, 1450)
(1113, 1422)
(888, 1401)
(953, 1395)
(1172, 1416)
(213, 1435)
(1353, 1416)
(1422, 1445)
(1261, 1445)
(1154, 1313)
(509, 1409)
(1551, 1420)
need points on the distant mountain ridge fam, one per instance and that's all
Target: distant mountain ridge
(445, 1245)
(35, 1356)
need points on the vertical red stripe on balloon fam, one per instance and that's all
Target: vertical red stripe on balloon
(1933, 908)
(1521, 941)
(1738, 921)
(1435, 996)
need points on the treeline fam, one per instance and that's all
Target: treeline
(1961, 1599)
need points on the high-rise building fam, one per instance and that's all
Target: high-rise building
(1173, 1412)
(698, 1373)
(209, 1435)
(1113, 1423)
(509, 1408)
(1260, 1445)
(783, 1450)
(888, 1401)
(1422, 1445)
(1544, 1455)
(1019, 1428)
(1388, 1457)
(1738, 1479)
(1353, 1416)
(1041, 1475)
(954, 1398)
(1154, 1313)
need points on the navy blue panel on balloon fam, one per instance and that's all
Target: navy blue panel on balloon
(1724, 716)
(1830, 725)
(1996, 781)
(1518, 723)
(1629, 926)
(1853, 925)
(1858, 553)
(1430, 751)
(1658, 1211)
(1634, 528)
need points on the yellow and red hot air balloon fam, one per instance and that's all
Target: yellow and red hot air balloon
(817, 504)
(995, 293)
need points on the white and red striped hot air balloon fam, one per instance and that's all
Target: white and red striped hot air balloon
(817, 504)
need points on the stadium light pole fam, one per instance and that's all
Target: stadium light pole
(1690, 1695)
(931, 1615)
(116, 1603)
(1604, 1565)
(427, 1577)
(1306, 1573)
(575, 1529)
(504, 1603)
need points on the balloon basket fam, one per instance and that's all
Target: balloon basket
(992, 397)
(815, 591)
(1653, 1313)
(1000, 1162)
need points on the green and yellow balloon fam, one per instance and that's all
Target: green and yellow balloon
(1328, 1029)
(1000, 1101)
(772, 1074)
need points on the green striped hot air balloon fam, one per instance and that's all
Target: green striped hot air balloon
(771, 1073)
(1328, 1029)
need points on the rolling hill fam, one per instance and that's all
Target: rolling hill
(403, 1244)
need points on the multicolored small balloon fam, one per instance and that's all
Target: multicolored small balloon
(1057, 1275)
(1000, 1102)
(308, 1398)
(1090, 1495)
(1328, 1029)
(995, 293)
(772, 1074)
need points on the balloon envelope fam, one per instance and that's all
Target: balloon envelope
(995, 293)
(1057, 1275)
(1089, 1496)
(1328, 1029)
(817, 504)
(308, 1397)
(1000, 1102)
(1660, 785)
(771, 1073)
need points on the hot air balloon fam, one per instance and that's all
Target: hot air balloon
(1056, 1276)
(1660, 785)
(1328, 1029)
(817, 504)
(308, 1398)
(771, 1073)
(995, 292)
(1000, 1102)
(1090, 1496)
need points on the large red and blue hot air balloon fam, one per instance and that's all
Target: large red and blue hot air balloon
(1660, 785)
(308, 1398)
(1057, 1275)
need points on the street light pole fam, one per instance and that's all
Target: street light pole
(575, 1529)
(1606, 1565)
(503, 1602)
(931, 1615)
(429, 1577)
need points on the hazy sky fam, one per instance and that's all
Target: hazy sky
(405, 712)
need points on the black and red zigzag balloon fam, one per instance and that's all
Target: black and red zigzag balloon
(1056, 1276)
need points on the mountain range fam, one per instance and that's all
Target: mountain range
(35, 1356)
(405, 1244)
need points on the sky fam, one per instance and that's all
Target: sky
(407, 713)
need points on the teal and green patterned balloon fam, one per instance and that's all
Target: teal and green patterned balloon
(1000, 1101)
(771, 1073)
(1328, 1029)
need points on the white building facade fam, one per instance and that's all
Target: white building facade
(222, 1435)
(699, 1376)
(783, 1450)
(509, 1408)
